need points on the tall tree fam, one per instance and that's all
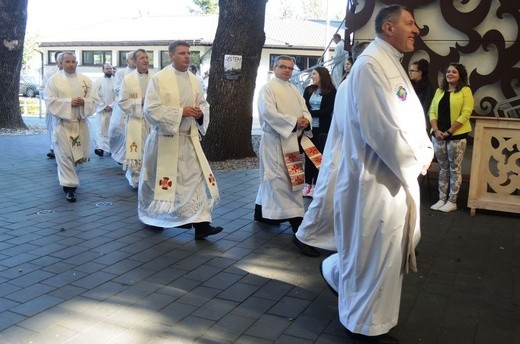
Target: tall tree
(240, 31)
(314, 9)
(13, 16)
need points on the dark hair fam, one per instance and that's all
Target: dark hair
(173, 46)
(336, 35)
(345, 73)
(134, 55)
(422, 66)
(391, 14)
(463, 80)
(193, 69)
(326, 84)
(357, 49)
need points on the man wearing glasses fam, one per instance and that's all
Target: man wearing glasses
(283, 118)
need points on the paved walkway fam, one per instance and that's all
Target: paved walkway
(89, 272)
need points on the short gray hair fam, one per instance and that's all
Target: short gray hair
(285, 58)
(391, 14)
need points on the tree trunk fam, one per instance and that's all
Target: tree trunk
(13, 16)
(240, 31)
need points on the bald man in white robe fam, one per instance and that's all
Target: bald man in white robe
(104, 86)
(70, 98)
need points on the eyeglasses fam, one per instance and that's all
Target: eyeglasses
(412, 70)
(285, 67)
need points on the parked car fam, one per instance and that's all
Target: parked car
(28, 88)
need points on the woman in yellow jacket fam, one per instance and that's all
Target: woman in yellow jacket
(450, 111)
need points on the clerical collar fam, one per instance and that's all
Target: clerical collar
(179, 71)
(281, 80)
(399, 55)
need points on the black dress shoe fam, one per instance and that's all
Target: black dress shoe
(70, 193)
(51, 155)
(99, 152)
(259, 218)
(202, 232)
(381, 339)
(71, 196)
(295, 223)
(305, 249)
(267, 221)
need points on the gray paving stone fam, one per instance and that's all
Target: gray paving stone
(18, 259)
(43, 321)
(215, 309)
(248, 284)
(54, 334)
(104, 291)
(268, 327)
(222, 280)
(289, 307)
(229, 328)
(199, 296)
(14, 334)
(29, 293)
(174, 312)
(253, 308)
(37, 305)
(133, 276)
(238, 292)
(93, 280)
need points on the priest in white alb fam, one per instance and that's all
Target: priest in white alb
(177, 187)
(286, 123)
(104, 86)
(133, 90)
(70, 97)
(117, 126)
(384, 148)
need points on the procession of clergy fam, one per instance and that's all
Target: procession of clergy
(366, 201)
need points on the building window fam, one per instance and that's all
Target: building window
(150, 59)
(51, 57)
(165, 58)
(96, 57)
(122, 58)
(302, 61)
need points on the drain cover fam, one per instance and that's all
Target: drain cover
(104, 204)
(45, 212)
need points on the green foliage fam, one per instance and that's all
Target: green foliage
(205, 7)
(30, 51)
(31, 106)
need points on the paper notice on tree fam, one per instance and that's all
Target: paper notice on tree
(232, 66)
